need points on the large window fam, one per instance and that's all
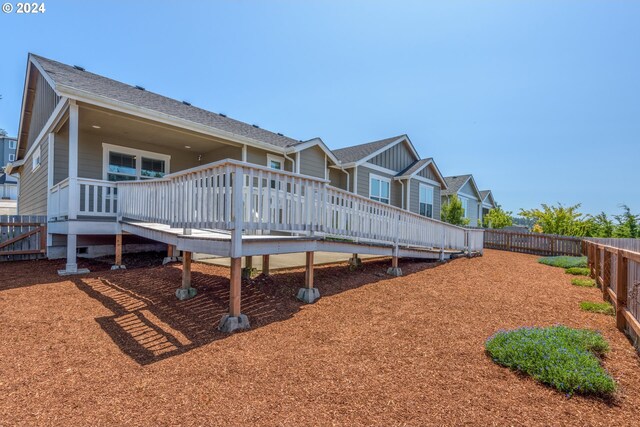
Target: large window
(379, 189)
(426, 200)
(127, 164)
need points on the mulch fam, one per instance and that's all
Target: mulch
(117, 348)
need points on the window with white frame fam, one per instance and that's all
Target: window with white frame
(379, 189)
(275, 162)
(12, 144)
(465, 206)
(12, 157)
(36, 159)
(128, 164)
(426, 200)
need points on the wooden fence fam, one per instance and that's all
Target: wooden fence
(616, 269)
(22, 237)
(533, 243)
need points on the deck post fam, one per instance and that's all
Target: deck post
(186, 291)
(118, 263)
(394, 270)
(171, 255)
(248, 267)
(355, 262)
(265, 265)
(234, 320)
(72, 258)
(308, 294)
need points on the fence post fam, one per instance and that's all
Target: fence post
(621, 290)
(606, 275)
(597, 262)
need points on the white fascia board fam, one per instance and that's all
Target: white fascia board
(379, 169)
(385, 148)
(52, 122)
(311, 143)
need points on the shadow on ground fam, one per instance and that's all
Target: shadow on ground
(149, 324)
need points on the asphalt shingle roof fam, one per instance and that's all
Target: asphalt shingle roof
(95, 84)
(454, 183)
(415, 167)
(358, 152)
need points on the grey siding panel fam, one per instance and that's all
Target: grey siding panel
(259, 157)
(338, 178)
(396, 158)
(468, 189)
(312, 162)
(428, 173)
(61, 155)
(363, 185)
(226, 152)
(32, 199)
(473, 210)
(415, 198)
(44, 102)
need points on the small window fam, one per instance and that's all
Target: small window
(275, 162)
(12, 157)
(426, 200)
(465, 206)
(380, 189)
(36, 159)
(12, 144)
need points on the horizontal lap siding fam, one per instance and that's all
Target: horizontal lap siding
(363, 185)
(33, 185)
(338, 178)
(312, 162)
(61, 154)
(259, 157)
(396, 158)
(415, 198)
(224, 152)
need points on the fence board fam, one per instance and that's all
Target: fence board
(532, 243)
(22, 237)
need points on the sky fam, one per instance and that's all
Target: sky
(539, 100)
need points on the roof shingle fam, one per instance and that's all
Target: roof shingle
(358, 152)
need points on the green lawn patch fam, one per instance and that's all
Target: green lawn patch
(598, 307)
(578, 271)
(564, 358)
(583, 283)
(564, 261)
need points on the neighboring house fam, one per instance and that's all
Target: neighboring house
(390, 171)
(464, 186)
(7, 150)
(79, 131)
(488, 203)
(8, 183)
(8, 187)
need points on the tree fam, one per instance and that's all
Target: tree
(601, 226)
(563, 220)
(498, 218)
(453, 213)
(627, 224)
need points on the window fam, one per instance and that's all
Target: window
(12, 144)
(36, 159)
(379, 189)
(275, 162)
(465, 206)
(12, 157)
(127, 164)
(426, 200)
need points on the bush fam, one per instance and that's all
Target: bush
(598, 307)
(564, 261)
(578, 271)
(564, 358)
(583, 283)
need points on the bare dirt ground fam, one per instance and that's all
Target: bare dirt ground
(117, 348)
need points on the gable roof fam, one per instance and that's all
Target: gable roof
(76, 83)
(418, 166)
(311, 143)
(486, 193)
(455, 183)
(360, 153)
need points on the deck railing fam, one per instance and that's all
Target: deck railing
(233, 195)
(94, 198)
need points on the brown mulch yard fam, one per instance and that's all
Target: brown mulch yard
(117, 348)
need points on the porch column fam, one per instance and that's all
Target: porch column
(394, 270)
(354, 261)
(265, 265)
(118, 262)
(171, 255)
(308, 294)
(234, 320)
(186, 291)
(72, 266)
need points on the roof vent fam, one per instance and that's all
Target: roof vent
(256, 126)
(223, 115)
(139, 87)
(280, 134)
(186, 103)
(79, 68)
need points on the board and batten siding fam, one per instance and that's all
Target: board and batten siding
(414, 200)
(338, 178)
(396, 158)
(312, 162)
(428, 173)
(468, 189)
(33, 184)
(363, 185)
(44, 102)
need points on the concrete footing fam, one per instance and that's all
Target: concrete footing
(119, 267)
(355, 262)
(230, 323)
(185, 293)
(169, 259)
(247, 272)
(308, 295)
(394, 271)
(73, 272)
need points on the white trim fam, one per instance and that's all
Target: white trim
(381, 179)
(427, 181)
(433, 196)
(53, 120)
(385, 148)
(488, 206)
(12, 157)
(13, 142)
(271, 157)
(37, 155)
(379, 169)
(244, 153)
(106, 148)
(298, 162)
(311, 143)
(326, 169)
(355, 180)
(468, 196)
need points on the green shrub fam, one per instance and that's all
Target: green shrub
(564, 261)
(598, 307)
(583, 283)
(564, 358)
(578, 271)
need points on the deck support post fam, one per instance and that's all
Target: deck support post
(186, 291)
(172, 255)
(118, 263)
(394, 270)
(354, 261)
(72, 259)
(248, 267)
(234, 320)
(308, 294)
(265, 265)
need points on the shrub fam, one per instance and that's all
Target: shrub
(564, 261)
(578, 271)
(583, 283)
(598, 307)
(564, 358)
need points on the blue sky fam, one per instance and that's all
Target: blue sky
(540, 100)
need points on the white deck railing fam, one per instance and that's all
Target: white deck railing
(95, 198)
(233, 195)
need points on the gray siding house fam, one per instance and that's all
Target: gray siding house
(390, 171)
(464, 186)
(487, 202)
(7, 150)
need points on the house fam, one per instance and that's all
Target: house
(390, 171)
(487, 202)
(116, 168)
(7, 150)
(464, 186)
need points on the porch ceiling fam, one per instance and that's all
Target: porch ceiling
(113, 124)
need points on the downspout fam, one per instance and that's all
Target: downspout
(402, 194)
(348, 175)
(293, 162)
